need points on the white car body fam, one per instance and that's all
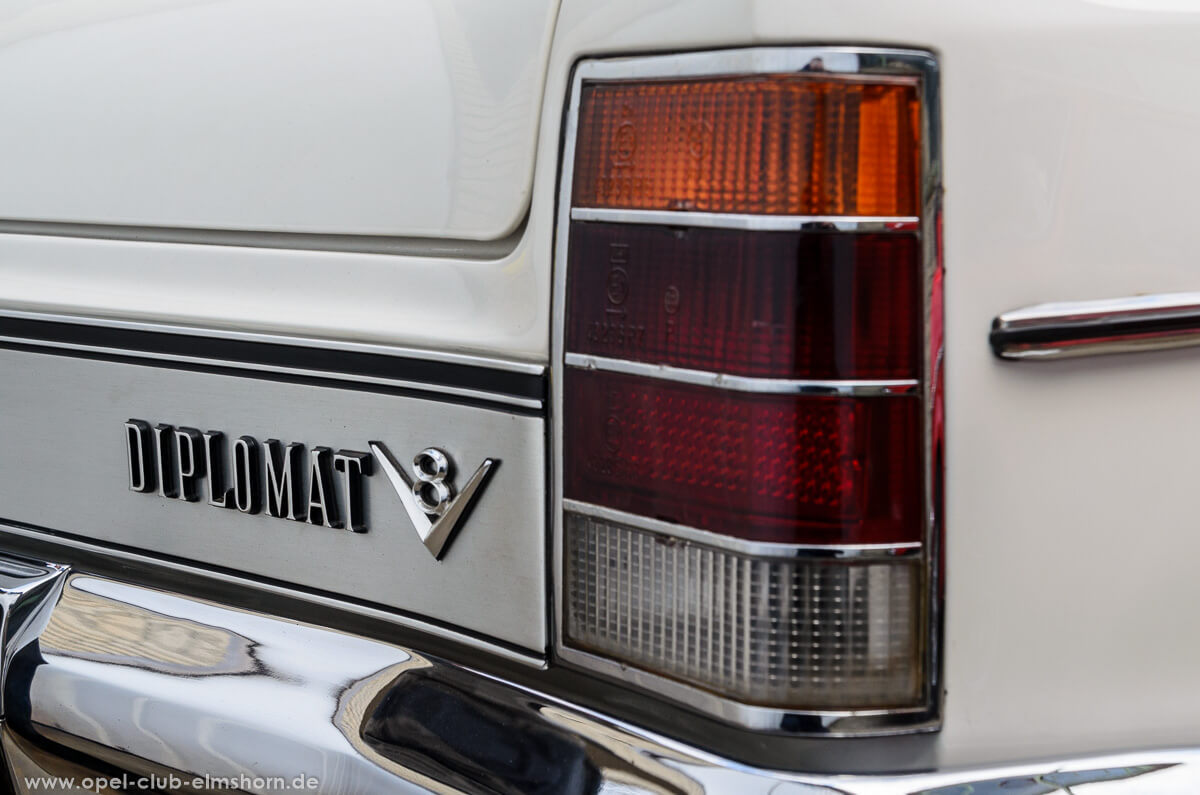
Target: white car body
(385, 173)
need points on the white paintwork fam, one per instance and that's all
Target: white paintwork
(490, 307)
(383, 117)
(1070, 166)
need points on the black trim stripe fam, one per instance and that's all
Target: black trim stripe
(318, 364)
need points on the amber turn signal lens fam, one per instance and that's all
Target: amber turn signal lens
(780, 144)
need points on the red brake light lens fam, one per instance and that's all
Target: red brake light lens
(813, 305)
(791, 469)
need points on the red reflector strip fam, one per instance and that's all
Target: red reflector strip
(767, 144)
(804, 305)
(792, 469)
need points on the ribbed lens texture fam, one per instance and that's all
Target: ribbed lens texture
(768, 304)
(789, 633)
(780, 468)
(772, 144)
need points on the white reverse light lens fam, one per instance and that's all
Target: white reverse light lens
(790, 633)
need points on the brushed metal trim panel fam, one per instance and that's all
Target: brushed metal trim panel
(64, 467)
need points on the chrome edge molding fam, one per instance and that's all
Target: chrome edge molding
(459, 248)
(1086, 328)
(293, 698)
(739, 383)
(755, 223)
(761, 549)
(872, 63)
(408, 622)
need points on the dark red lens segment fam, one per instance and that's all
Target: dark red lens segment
(778, 468)
(803, 305)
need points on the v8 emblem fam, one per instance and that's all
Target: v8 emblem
(429, 499)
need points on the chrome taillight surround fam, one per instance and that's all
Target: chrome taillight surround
(925, 557)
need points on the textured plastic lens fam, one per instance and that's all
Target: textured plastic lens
(790, 633)
(787, 144)
(779, 468)
(818, 305)
(744, 503)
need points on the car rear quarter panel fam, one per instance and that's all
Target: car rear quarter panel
(1069, 164)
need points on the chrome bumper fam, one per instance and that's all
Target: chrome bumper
(106, 684)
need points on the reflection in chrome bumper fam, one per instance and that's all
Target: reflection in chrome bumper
(105, 678)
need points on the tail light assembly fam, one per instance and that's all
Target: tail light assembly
(747, 393)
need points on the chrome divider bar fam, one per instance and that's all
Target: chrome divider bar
(737, 383)
(1084, 328)
(754, 223)
(763, 549)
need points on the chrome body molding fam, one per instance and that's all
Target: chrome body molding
(755, 548)
(876, 64)
(108, 675)
(740, 383)
(755, 223)
(459, 248)
(1085, 328)
(28, 590)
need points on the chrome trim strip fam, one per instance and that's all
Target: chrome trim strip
(876, 64)
(298, 699)
(456, 248)
(763, 549)
(382, 349)
(739, 383)
(756, 223)
(436, 630)
(1083, 328)
(872, 63)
